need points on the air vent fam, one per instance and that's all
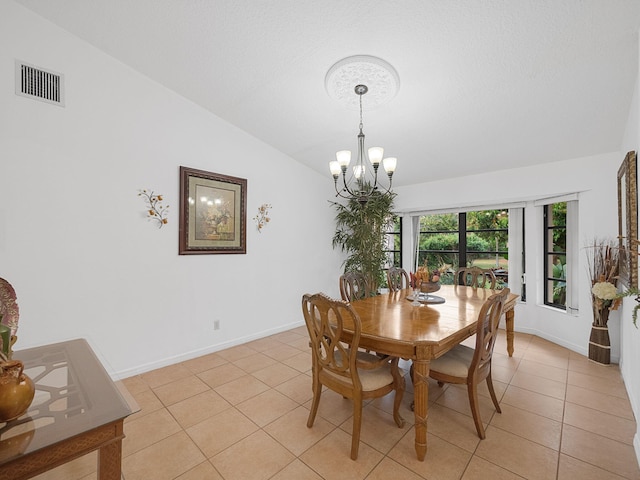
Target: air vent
(36, 83)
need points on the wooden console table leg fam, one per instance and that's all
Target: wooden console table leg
(110, 458)
(509, 318)
(421, 404)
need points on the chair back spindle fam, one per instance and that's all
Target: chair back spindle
(476, 277)
(397, 279)
(353, 286)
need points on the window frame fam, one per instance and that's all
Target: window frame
(572, 252)
(549, 253)
(389, 236)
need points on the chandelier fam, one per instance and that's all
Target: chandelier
(360, 184)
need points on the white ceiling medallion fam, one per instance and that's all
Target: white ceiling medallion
(379, 76)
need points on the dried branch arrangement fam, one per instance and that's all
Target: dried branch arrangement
(603, 260)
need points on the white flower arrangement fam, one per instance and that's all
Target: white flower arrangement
(606, 296)
(605, 291)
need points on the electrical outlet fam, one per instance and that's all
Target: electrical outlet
(216, 324)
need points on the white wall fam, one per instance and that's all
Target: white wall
(630, 336)
(74, 241)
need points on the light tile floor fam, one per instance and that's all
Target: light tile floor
(240, 414)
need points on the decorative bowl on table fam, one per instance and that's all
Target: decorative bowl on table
(429, 287)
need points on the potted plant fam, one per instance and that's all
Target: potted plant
(360, 233)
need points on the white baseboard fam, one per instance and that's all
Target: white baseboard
(200, 352)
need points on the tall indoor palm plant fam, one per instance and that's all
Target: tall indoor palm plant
(360, 233)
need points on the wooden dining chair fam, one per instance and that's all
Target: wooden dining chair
(476, 277)
(353, 286)
(397, 279)
(338, 366)
(470, 366)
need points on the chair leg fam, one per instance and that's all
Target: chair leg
(357, 424)
(475, 408)
(399, 386)
(317, 391)
(492, 392)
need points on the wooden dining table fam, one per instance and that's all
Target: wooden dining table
(392, 325)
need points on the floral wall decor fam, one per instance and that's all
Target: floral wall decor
(155, 209)
(262, 218)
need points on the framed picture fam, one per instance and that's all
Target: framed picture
(628, 220)
(213, 213)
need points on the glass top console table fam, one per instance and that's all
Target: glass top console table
(77, 409)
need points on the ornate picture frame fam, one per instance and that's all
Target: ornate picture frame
(213, 213)
(628, 220)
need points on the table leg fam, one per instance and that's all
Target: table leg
(110, 458)
(509, 317)
(421, 404)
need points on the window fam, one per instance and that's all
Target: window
(393, 243)
(487, 242)
(439, 244)
(479, 238)
(555, 255)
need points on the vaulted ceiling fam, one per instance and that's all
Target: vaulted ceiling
(484, 85)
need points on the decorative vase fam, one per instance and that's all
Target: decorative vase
(16, 390)
(599, 343)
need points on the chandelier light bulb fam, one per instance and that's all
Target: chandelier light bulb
(334, 166)
(343, 157)
(389, 165)
(375, 155)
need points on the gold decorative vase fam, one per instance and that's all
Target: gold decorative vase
(16, 390)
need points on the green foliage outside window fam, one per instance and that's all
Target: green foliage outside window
(486, 241)
(556, 252)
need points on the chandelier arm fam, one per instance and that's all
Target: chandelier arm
(375, 175)
(345, 186)
(389, 188)
(339, 193)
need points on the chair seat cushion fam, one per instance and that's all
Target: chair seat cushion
(455, 362)
(370, 379)
(374, 379)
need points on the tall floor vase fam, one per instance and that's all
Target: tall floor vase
(599, 343)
